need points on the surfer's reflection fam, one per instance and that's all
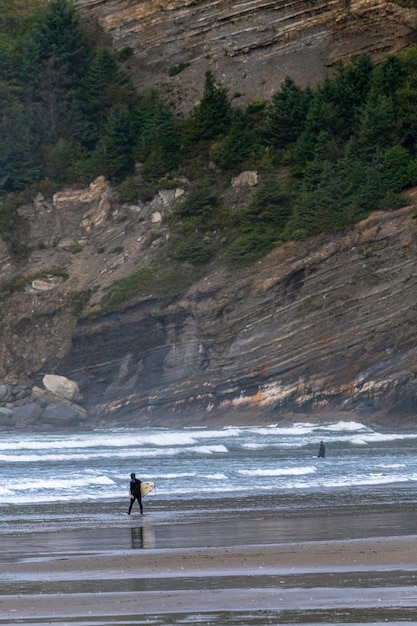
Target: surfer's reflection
(142, 537)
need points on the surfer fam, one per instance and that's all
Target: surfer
(135, 493)
(322, 450)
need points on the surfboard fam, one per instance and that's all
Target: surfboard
(146, 488)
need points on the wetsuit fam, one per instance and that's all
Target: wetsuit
(135, 494)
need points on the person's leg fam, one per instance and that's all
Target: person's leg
(140, 503)
(130, 505)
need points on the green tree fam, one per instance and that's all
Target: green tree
(193, 250)
(398, 168)
(380, 123)
(345, 94)
(156, 140)
(17, 15)
(104, 85)
(238, 144)
(326, 206)
(198, 204)
(388, 77)
(67, 160)
(315, 128)
(58, 41)
(114, 152)
(212, 116)
(407, 115)
(101, 73)
(20, 152)
(262, 225)
(286, 114)
(55, 56)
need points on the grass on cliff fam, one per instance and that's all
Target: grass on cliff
(148, 282)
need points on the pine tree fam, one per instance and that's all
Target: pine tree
(286, 114)
(20, 152)
(56, 41)
(156, 142)
(55, 56)
(101, 73)
(262, 225)
(238, 144)
(212, 116)
(345, 94)
(115, 148)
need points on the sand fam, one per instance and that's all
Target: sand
(255, 584)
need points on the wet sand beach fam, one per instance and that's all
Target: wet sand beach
(245, 527)
(362, 580)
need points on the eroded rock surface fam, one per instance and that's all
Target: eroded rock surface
(251, 45)
(328, 329)
(324, 327)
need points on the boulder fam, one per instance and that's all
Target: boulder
(60, 414)
(97, 216)
(26, 414)
(46, 284)
(61, 386)
(245, 179)
(5, 393)
(92, 195)
(156, 217)
(6, 420)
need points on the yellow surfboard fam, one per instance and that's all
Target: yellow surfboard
(146, 488)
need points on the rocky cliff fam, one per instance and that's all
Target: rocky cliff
(322, 328)
(250, 45)
(325, 329)
(330, 328)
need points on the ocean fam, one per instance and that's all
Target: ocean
(267, 478)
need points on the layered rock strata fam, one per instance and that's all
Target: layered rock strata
(320, 328)
(331, 328)
(250, 45)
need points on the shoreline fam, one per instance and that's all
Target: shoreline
(249, 418)
(357, 554)
(354, 575)
(245, 529)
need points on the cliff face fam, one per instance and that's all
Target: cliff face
(316, 328)
(323, 330)
(331, 328)
(250, 45)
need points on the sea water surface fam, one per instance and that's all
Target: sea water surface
(267, 480)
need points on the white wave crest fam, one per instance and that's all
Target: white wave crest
(286, 471)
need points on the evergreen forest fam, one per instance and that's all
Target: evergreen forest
(326, 156)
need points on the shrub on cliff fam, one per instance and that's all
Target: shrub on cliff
(194, 251)
(199, 202)
(262, 225)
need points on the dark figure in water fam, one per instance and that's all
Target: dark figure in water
(322, 451)
(135, 493)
